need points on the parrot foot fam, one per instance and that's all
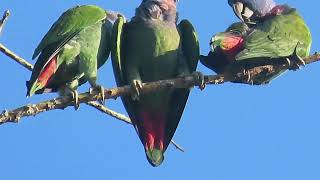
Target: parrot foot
(295, 62)
(248, 76)
(136, 87)
(200, 76)
(99, 89)
(68, 91)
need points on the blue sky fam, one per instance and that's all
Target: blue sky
(229, 131)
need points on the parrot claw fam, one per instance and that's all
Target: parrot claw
(248, 76)
(136, 87)
(302, 62)
(68, 91)
(101, 91)
(202, 84)
(295, 62)
(75, 97)
(288, 62)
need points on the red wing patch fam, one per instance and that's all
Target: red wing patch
(48, 71)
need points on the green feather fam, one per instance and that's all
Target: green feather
(278, 37)
(69, 24)
(80, 39)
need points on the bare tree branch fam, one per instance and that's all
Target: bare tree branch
(15, 57)
(113, 93)
(182, 82)
(110, 112)
(5, 17)
(124, 119)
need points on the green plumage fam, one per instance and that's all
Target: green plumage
(274, 39)
(278, 37)
(152, 51)
(80, 41)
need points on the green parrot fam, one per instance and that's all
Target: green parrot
(71, 52)
(153, 47)
(224, 47)
(273, 33)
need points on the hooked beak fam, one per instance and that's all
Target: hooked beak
(242, 12)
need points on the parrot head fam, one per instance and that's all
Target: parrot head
(165, 10)
(166, 3)
(250, 10)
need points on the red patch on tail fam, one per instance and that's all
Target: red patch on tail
(48, 71)
(154, 129)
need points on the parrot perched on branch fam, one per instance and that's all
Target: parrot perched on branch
(71, 52)
(153, 47)
(273, 33)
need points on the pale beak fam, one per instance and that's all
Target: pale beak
(247, 14)
(237, 9)
(242, 12)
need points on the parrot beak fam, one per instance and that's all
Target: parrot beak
(242, 12)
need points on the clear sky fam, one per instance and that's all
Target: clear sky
(230, 131)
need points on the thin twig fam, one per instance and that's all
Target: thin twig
(177, 146)
(15, 57)
(5, 17)
(110, 112)
(124, 119)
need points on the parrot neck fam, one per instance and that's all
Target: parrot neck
(279, 10)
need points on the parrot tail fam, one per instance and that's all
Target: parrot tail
(153, 136)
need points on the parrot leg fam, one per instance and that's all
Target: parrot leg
(99, 89)
(200, 76)
(136, 87)
(66, 91)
